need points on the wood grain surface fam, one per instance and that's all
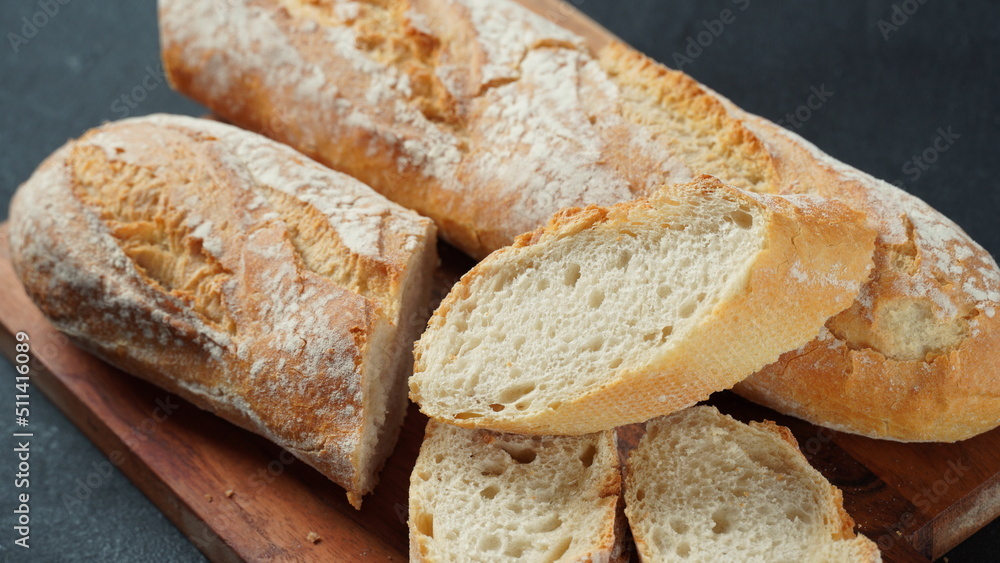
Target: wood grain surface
(239, 497)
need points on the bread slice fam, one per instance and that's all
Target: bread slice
(476, 495)
(600, 318)
(702, 486)
(237, 273)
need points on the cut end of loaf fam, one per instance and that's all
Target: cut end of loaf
(702, 486)
(476, 495)
(250, 280)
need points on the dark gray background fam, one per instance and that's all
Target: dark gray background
(940, 69)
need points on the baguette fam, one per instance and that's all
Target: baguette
(238, 274)
(480, 496)
(488, 119)
(702, 486)
(600, 318)
(914, 359)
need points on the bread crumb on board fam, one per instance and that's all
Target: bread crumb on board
(230, 493)
(313, 537)
(208, 498)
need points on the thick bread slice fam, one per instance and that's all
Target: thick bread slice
(599, 318)
(702, 486)
(479, 496)
(488, 118)
(237, 273)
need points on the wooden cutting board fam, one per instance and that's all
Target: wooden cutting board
(238, 497)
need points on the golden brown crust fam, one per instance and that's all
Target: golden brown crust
(856, 377)
(448, 149)
(648, 86)
(154, 243)
(439, 132)
(816, 254)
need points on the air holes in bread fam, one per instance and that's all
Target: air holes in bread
(687, 309)
(587, 457)
(520, 455)
(572, 275)
(797, 514)
(679, 526)
(596, 298)
(683, 549)
(425, 524)
(723, 519)
(516, 392)
(550, 524)
(561, 548)
(741, 218)
(489, 543)
(515, 550)
(593, 344)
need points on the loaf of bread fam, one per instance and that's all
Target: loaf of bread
(610, 316)
(915, 357)
(479, 496)
(238, 274)
(702, 486)
(488, 118)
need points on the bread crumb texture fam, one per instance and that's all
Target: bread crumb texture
(482, 496)
(702, 486)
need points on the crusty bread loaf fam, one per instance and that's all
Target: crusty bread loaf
(478, 496)
(237, 273)
(915, 358)
(488, 118)
(600, 318)
(702, 486)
